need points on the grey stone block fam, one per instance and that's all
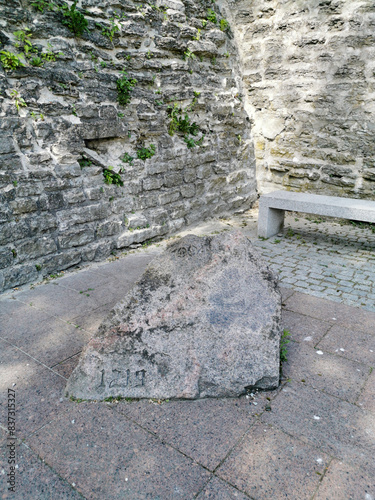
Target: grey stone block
(202, 321)
(273, 205)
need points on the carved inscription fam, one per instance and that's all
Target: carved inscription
(186, 251)
(126, 378)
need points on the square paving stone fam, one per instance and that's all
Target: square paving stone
(350, 344)
(220, 490)
(352, 318)
(345, 482)
(7, 307)
(91, 321)
(337, 427)
(127, 269)
(286, 293)
(38, 390)
(65, 368)
(109, 457)
(33, 479)
(205, 429)
(303, 328)
(367, 398)
(271, 464)
(46, 338)
(103, 289)
(59, 301)
(334, 375)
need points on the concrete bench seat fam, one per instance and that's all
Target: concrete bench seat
(273, 205)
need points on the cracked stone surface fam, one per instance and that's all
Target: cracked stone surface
(202, 321)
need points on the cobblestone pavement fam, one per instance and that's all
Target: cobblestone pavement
(324, 258)
(313, 438)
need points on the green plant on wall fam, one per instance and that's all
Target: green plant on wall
(124, 87)
(10, 61)
(18, 100)
(224, 25)
(73, 19)
(24, 43)
(111, 177)
(211, 16)
(49, 55)
(111, 30)
(144, 153)
(36, 61)
(180, 121)
(41, 5)
(127, 158)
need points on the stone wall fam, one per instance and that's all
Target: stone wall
(309, 72)
(61, 127)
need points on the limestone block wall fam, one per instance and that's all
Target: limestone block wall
(62, 126)
(309, 72)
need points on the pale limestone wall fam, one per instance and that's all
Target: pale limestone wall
(308, 69)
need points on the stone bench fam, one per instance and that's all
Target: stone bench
(273, 205)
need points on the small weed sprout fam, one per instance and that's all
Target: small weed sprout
(36, 61)
(10, 61)
(18, 100)
(23, 37)
(110, 31)
(198, 35)
(224, 25)
(41, 5)
(73, 19)
(188, 54)
(124, 87)
(144, 153)
(111, 177)
(127, 158)
(211, 16)
(49, 55)
(283, 343)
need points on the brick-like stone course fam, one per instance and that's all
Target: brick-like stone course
(308, 78)
(57, 212)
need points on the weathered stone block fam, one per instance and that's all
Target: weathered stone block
(24, 205)
(202, 321)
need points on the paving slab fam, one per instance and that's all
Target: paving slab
(91, 322)
(192, 426)
(130, 268)
(304, 328)
(345, 482)
(367, 398)
(350, 344)
(332, 374)
(335, 426)
(59, 301)
(220, 490)
(271, 464)
(107, 456)
(286, 292)
(65, 368)
(34, 479)
(326, 310)
(38, 390)
(46, 338)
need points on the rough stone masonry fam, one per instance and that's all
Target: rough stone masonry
(202, 321)
(283, 95)
(62, 126)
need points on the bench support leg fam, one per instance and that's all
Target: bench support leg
(270, 221)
